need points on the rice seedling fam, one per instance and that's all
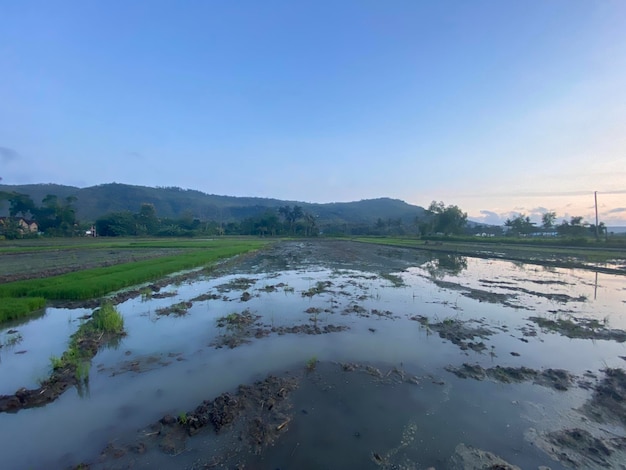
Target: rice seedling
(21, 297)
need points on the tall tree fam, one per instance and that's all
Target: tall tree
(447, 220)
(21, 204)
(147, 220)
(547, 220)
(520, 225)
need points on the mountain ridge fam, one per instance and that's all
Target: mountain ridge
(173, 202)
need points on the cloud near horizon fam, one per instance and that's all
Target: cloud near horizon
(617, 210)
(8, 154)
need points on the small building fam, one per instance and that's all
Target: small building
(24, 225)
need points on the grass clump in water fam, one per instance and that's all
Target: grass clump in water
(178, 309)
(108, 320)
(311, 363)
(84, 343)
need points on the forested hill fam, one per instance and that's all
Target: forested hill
(96, 201)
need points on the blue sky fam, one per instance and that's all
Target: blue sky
(499, 107)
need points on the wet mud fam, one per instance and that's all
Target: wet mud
(241, 328)
(557, 379)
(592, 446)
(465, 334)
(479, 294)
(578, 448)
(583, 328)
(252, 418)
(470, 458)
(608, 402)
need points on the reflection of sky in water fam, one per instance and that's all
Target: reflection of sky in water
(194, 370)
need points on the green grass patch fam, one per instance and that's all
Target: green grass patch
(92, 283)
(22, 297)
(14, 308)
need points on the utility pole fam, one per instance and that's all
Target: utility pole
(595, 197)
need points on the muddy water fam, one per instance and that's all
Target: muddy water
(385, 326)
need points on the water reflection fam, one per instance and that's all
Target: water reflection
(443, 264)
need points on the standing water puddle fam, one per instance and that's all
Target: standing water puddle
(389, 359)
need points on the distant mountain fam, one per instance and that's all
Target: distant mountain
(95, 201)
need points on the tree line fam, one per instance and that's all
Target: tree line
(57, 217)
(54, 216)
(576, 227)
(285, 221)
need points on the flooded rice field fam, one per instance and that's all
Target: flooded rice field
(331, 354)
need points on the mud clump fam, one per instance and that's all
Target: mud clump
(254, 417)
(557, 379)
(478, 294)
(319, 288)
(206, 296)
(309, 329)
(578, 448)
(240, 327)
(581, 328)
(355, 308)
(608, 402)
(179, 309)
(470, 458)
(163, 295)
(240, 283)
(394, 376)
(561, 298)
(458, 332)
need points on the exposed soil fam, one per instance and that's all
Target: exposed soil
(557, 379)
(240, 328)
(163, 295)
(459, 332)
(469, 458)
(478, 294)
(363, 312)
(240, 283)
(584, 328)
(394, 375)
(578, 448)
(562, 298)
(254, 417)
(608, 402)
